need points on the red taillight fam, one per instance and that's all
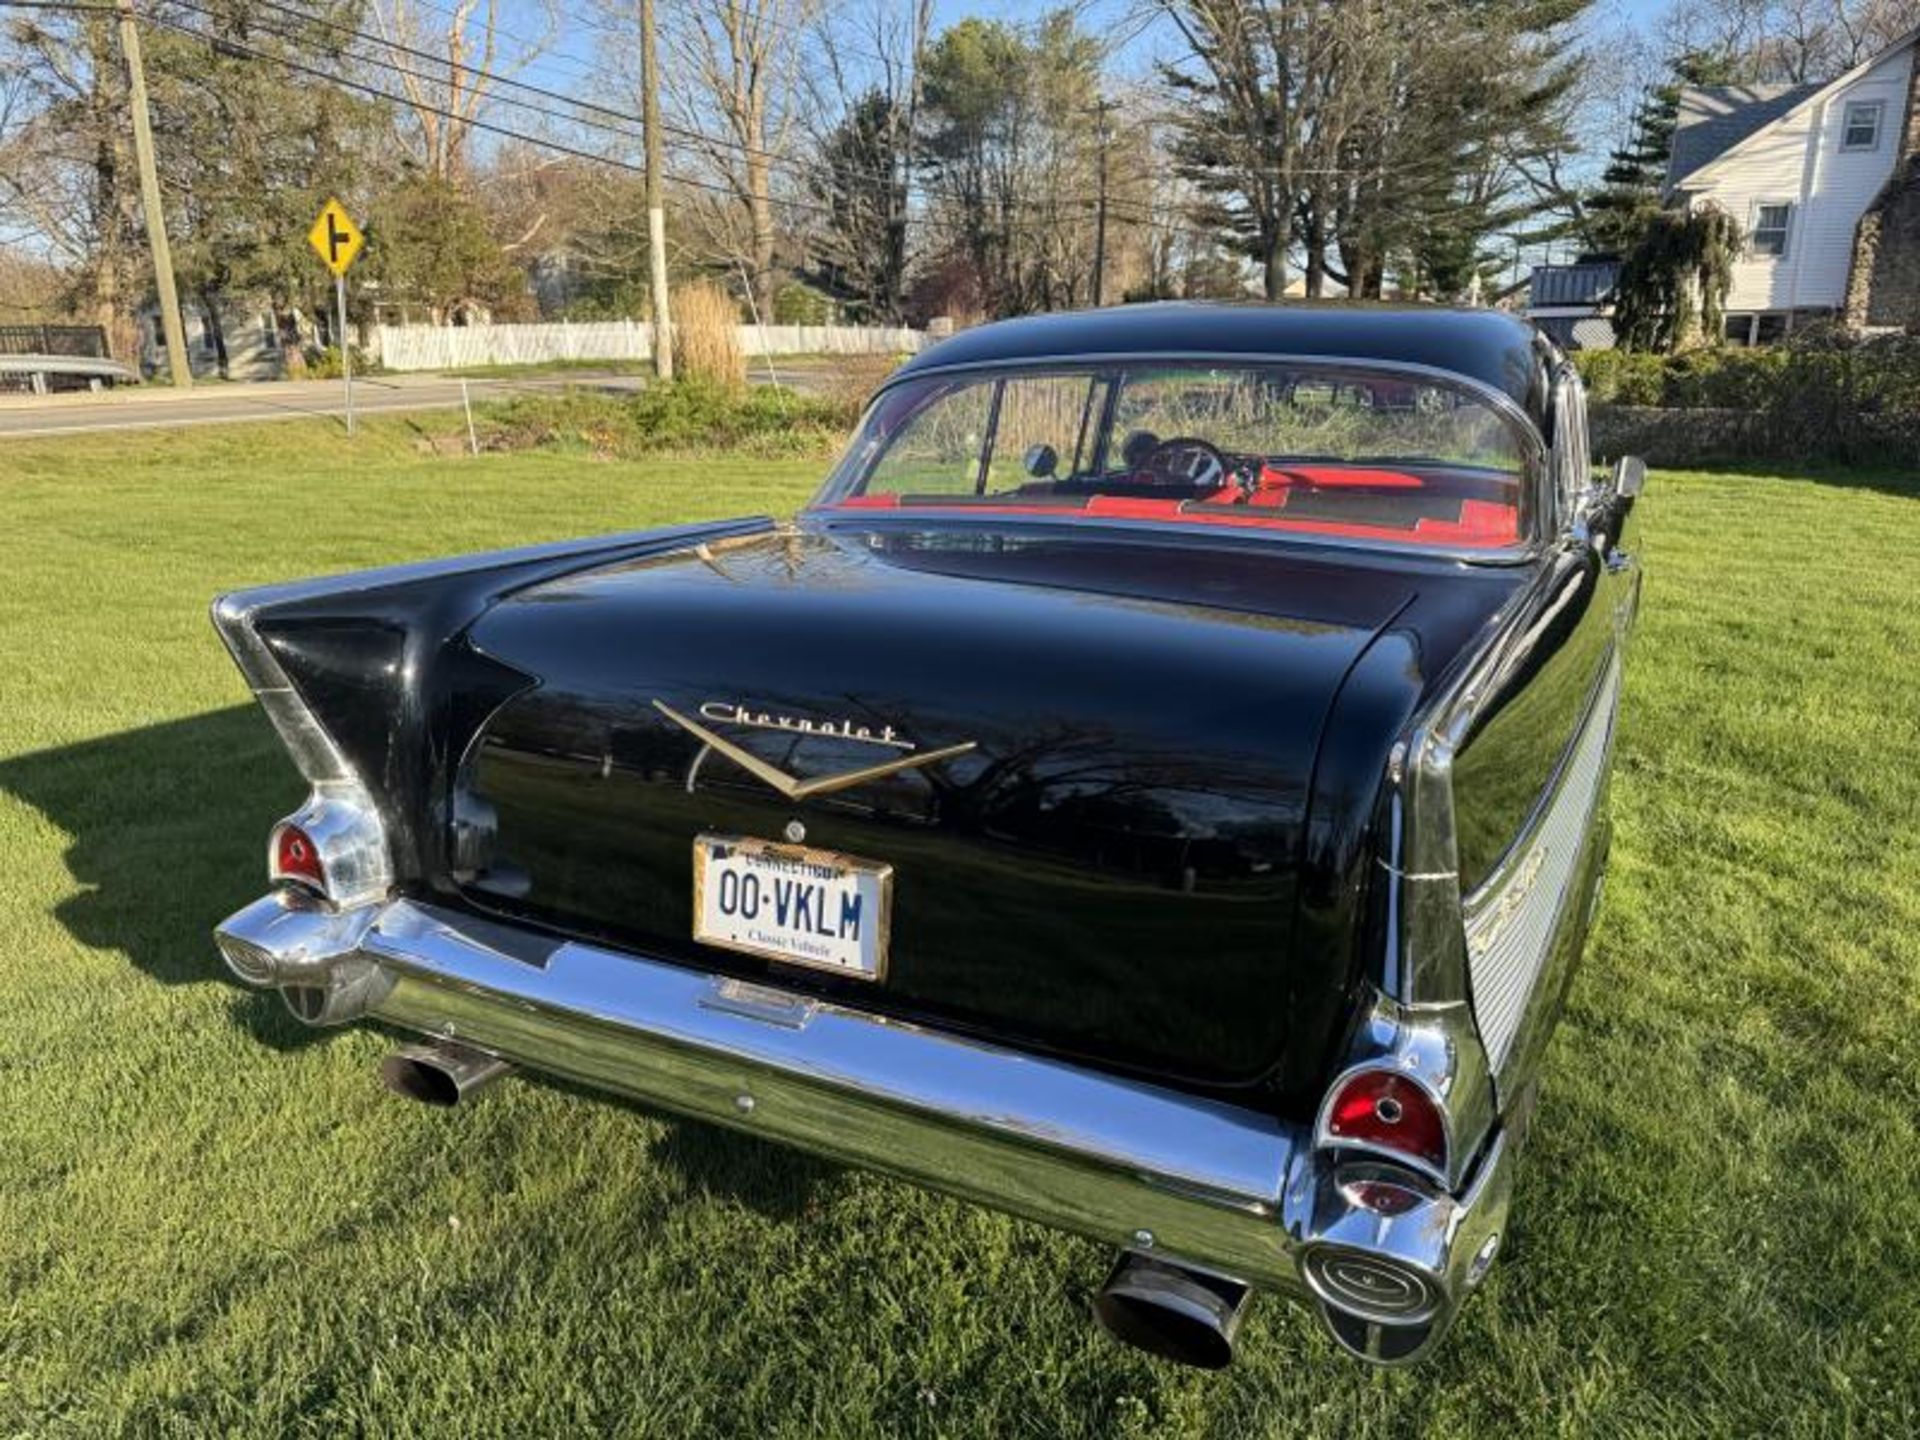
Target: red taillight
(1390, 1112)
(296, 857)
(1383, 1197)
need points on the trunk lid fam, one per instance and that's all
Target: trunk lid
(1110, 873)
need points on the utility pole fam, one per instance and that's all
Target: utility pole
(177, 358)
(1101, 109)
(656, 203)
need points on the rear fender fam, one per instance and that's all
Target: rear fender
(371, 686)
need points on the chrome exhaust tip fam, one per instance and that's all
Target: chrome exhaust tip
(1169, 1310)
(441, 1075)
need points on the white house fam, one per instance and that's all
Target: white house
(1825, 182)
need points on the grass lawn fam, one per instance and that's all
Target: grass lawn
(213, 1220)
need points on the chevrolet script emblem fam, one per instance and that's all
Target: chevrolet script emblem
(786, 784)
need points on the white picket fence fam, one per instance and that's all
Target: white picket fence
(435, 347)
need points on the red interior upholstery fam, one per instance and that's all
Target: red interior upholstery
(1477, 524)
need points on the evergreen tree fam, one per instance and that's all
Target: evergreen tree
(1620, 211)
(862, 183)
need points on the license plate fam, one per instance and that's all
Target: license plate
(793, 904)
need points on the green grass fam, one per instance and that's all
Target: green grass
(212, 1220)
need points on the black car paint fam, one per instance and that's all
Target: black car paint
(1293, 969)
(434, 682)
(1163, 667)
(381, 658)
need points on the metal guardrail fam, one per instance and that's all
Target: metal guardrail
(39, 374)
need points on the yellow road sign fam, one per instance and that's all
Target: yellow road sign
(337, 239)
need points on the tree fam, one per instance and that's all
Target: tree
(249, 150)
(733, 72)
(445, 99)
(429, 244)
(861, 181)
(67, 180)
(865, 88)
(1249, 116)
(1384, 134)
(1630, 193)
(1793, 42)
(1010, 158)
(1674, 282)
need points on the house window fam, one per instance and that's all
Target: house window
(1769, 231)
(1738, 329)
(1862, 128)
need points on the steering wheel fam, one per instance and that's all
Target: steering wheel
(1186, 461)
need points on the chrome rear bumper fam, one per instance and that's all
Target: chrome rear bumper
(1134, 1165)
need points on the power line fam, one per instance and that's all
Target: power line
(217, 43)
(1007, 225)
(788, 163)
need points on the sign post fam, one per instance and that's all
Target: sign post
(338, 242)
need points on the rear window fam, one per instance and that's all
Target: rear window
(1308, 449)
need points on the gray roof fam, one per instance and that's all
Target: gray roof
(1715, 118)
(1590, 283)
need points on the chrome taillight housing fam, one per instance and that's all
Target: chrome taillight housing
(1387, 1112)
(333, 848)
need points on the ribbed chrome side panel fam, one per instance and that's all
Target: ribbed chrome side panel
(1511, 919)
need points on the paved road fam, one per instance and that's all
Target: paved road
(218, 404)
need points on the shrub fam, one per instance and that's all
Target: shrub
(797, 304)
(853, 380)
(325, 364)
(706, 336)
(1827, 394)
(686, 417)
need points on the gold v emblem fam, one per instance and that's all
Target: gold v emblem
(799, 789)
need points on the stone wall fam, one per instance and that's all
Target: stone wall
(1883, 285)
(1679, 439)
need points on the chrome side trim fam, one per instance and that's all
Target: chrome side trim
(1426, 960)
(1513, 917)
(309, 744)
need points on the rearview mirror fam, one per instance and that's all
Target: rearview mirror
(1629, 476)
(1041, 461)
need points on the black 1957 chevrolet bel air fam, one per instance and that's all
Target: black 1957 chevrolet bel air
(1157, 788)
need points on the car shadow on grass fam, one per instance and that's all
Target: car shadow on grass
(167, 828)
(710, 1160)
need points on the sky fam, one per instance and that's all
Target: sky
(1621, 40)
(565, 69)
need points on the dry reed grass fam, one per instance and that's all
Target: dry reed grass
(706, 335)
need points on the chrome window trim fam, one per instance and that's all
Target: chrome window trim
(1535, 453)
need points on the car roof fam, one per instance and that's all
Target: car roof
(1500, 351)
